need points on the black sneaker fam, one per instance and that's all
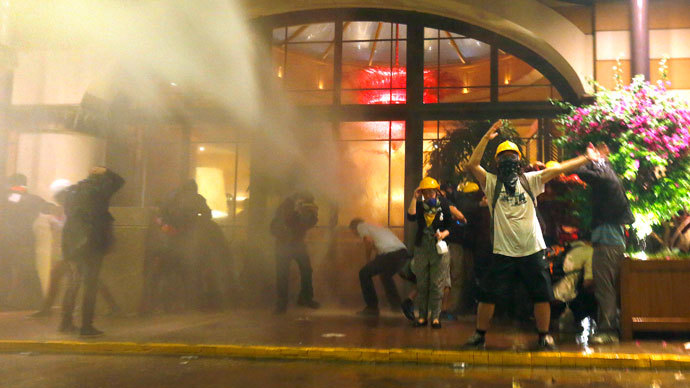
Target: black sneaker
(546, 343)
(436, 324)
(476, 341)
(312, 304)
(369, 312)
(408, 309)
(90, 331)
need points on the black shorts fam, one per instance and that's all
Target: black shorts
(499, 281)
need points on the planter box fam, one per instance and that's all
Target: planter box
(655, 296)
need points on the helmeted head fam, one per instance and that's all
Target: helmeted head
(470, 187)
(552, 164)
(429, 185)
(507, 147)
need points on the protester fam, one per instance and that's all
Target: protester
(390, 254)
(293, 218)
(20, 287)
(518, 244)
(610, 212)
(571, 275)
(87, 237)
(432, 213)
(186, 255)
(59, 267)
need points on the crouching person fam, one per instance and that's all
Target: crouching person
(390, 256)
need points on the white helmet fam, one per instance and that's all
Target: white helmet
(59, 185)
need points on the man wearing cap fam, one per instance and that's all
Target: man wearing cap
(518, 243)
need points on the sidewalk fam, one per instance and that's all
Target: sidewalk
(334, 335)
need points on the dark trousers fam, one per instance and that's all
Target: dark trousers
(385, 265)
(606, 268)
(284, 255)
(86, 270)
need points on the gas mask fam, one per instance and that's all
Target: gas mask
(432, 202)
(508, 170)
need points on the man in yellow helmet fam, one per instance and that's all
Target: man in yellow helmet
(518, 243)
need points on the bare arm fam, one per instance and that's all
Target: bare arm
(473, 164)
(412, 210)
(569, 165)
(457, 214)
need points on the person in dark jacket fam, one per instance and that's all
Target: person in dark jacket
(610, 212)
(432, 213)
(293, 218)
(21, 286)
(87, 237)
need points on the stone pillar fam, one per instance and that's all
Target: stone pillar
(639, 38)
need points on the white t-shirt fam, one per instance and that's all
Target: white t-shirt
(384, 240)
(516, 226)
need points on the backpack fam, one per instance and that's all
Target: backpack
(497, 191)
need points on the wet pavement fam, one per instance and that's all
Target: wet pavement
(55, 371)
(323, 328)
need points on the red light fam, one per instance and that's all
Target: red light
(388, 85)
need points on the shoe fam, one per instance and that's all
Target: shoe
(476, 341)
(369, 312)
(436, 324)
(604, 339)
(41, 314)
(67, 327)
(90, 331)
(312, 304)
(547, 343)
(408, 309)
(418, 323)
(448, 316)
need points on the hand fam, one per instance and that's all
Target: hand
(493, 131)
(441, 235)
(418, 194)
(484, 202)
(592, 153)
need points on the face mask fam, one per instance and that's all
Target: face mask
(508, 169)
(432, 202)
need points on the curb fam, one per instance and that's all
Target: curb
(408, 355)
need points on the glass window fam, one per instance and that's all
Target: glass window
(374, 63)
(221, 171)
(518, 81)
(456, 68)
(373, 169)
(303, 62)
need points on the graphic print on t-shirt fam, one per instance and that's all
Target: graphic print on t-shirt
(513, 200)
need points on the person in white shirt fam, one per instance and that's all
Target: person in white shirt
(390, 256)
(518, 243)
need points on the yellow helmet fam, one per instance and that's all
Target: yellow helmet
(428, 183)
(552, 163)
(470, 187)
(507, 146)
